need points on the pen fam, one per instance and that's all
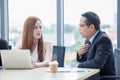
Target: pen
(82, 70)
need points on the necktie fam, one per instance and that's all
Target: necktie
(88, 42)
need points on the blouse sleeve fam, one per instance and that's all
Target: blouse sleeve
(48, 51)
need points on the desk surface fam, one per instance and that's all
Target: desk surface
(43, 74)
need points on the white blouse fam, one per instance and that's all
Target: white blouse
(34, 54)
(47, 52)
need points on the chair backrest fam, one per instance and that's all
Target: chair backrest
(58, 54)
(9, 47)
(3, 45)
(117, 61)
(117, 67)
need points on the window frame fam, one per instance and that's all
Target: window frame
(4, 21)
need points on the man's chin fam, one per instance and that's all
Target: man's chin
(82, 36)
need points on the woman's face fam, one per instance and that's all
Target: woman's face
(37, 30)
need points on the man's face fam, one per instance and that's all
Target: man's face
(83, 28)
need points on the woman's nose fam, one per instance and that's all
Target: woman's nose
(39, 29)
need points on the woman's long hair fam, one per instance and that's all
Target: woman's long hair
(27, 38)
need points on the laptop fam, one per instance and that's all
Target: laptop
(16, 59)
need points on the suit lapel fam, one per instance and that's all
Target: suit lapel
(90, 52)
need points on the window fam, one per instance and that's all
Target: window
(46, 11)
(19, 10)
(72, 13)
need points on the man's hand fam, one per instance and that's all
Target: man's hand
(83, 49)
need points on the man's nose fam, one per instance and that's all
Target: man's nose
(79, 29)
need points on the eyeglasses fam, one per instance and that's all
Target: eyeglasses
(82, 25)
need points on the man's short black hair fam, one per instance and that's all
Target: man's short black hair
(92, 18)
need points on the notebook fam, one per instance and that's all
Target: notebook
(16, 59)
(60, 69)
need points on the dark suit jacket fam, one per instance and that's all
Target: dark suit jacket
(3, 45)
(99, 55)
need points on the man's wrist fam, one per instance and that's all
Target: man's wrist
(80, 56)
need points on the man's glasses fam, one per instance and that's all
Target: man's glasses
(82, 25)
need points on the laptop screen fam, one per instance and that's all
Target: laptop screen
(16, 59)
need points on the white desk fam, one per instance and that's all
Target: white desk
(42, 74)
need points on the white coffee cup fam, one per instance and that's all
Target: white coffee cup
(53, 65)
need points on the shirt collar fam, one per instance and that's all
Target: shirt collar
(92, 38)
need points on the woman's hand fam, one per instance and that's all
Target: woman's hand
(32, 61)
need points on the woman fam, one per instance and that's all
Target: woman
(33, 40)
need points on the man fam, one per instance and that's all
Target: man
(98, 50)
(3, 45)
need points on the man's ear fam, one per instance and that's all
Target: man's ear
(92, 27)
